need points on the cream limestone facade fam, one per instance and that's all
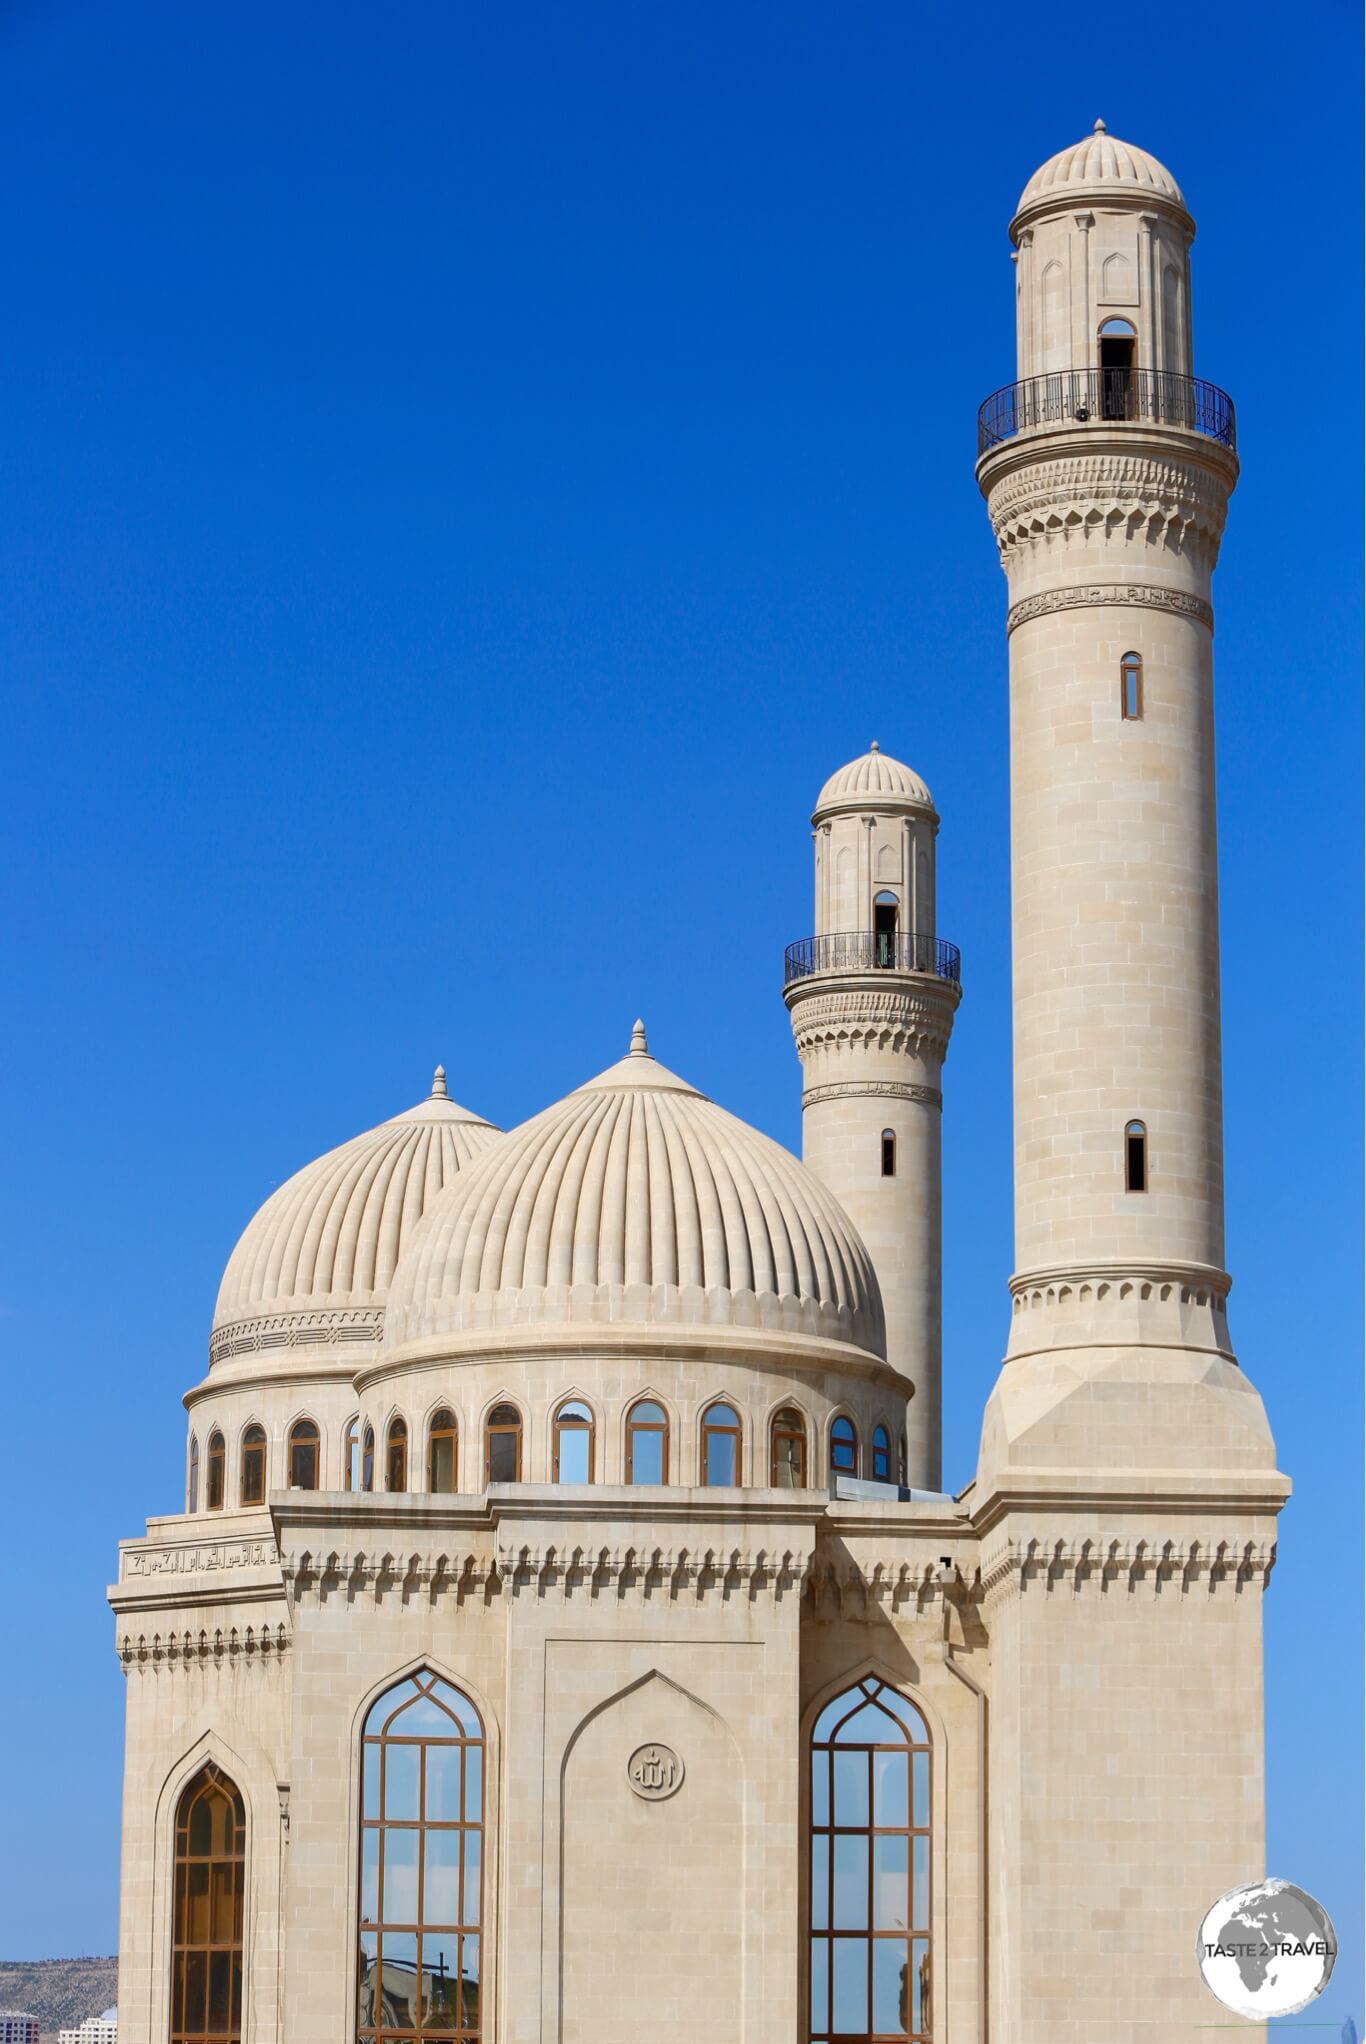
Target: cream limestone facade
(564, 1638)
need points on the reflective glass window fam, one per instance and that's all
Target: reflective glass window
(720, 1446)
(206, 1935)
(573, 1443)
(647, 1443)
(254, 1466)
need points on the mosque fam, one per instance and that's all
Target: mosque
(564, 1636)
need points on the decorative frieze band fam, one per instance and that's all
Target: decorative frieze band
(1178, 1567)
(179, 1650)
(640, 1573)
(343, 1325)
(1146, 595)
(887, 1089)
(204, 1558)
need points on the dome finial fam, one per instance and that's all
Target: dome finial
(1100, 128)
(874, 746)
(439, 1083)
(639, 1047)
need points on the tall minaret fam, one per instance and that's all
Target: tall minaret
(1107, 470)
(872, 997)
(1126, 1489)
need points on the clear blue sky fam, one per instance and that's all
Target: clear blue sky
(469, 472)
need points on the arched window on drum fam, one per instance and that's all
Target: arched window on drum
(870, 1972)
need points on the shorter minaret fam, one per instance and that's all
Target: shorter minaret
(872, 997)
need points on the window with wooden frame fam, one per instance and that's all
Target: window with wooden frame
(720, 1446)
(889, 1153)
(253, 1484)
(869, 1974)
(902, 1462)
(213, 1486)
(503, 1445)
(396, 1455)
(442, 1441)
(367, 1459)
(194, 1472)
(304, 1455)
(882, 1455)
(844, 1446)
(573, 1450)
(420, 1961)
(1135, 1157)
(787, 1450)
(1131, 687)
(647, 1443)
(210, 1883)
(351, 1464)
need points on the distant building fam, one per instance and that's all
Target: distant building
(94, 2030)
(17, 2029)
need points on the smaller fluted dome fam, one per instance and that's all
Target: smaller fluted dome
(876, 778)
(314, 1263)
(637, 1200)
(1099, 161)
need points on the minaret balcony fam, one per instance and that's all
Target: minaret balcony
(871, 951)
(1106, 397)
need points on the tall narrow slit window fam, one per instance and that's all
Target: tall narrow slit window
(889, 1153)
(1131, 687)
(254, 1466)
(305, 1455)
(720, 1446)
(844, 1447)
(503, 1445)
(210, 1880)
(1135, 1157)
(869, 1974)
(882, 1455)
(787, 1455)
(420, 1963)
(647, 1443)
(367, 1459)
(396, 1455)
(194, 1472)
(351, 1461)
(213, 1487)
(573, 1443)
(441, 1446)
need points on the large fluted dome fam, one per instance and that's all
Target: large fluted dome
(1100, 162)
(637, 1200)
(314, 1264)
(873, 778)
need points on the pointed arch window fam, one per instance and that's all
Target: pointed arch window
(210, 1881)
(882, 1455)
(194, 1472)
(442, 1439)
(420, 1962)
(351, 1464)
(844, 1446)
(1131, 687)
(787, 1450)
(396, 1455)
(367, 1459)
(253, 1484)
(503, 1445)
(213, 1486)
(647, 1443)
(573, 1443)
(304, 1455)
(720, 1446)
(870, 1970)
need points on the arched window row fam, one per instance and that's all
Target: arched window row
(655, 1449)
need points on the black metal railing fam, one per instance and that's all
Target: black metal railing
(1087, 397)
(871, 951)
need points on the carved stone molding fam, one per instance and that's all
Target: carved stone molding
(917, 1022)
(886, 1089)
(341, 1326)
(205, 1557)
(143, 1652)
(1178, 1567)
(846, 1587)
(1145, 595)
(1098, 497)
(641, 1574)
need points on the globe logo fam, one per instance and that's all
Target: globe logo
(1267, 1950)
